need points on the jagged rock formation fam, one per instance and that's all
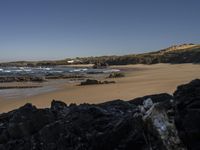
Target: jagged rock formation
(154, 122)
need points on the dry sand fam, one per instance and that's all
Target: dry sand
(140, 80)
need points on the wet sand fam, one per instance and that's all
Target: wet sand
(140, 80)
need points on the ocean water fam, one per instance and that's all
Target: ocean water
(13, 71)
(10, 94)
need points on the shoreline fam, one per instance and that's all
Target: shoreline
(139, 80)
(18, 87)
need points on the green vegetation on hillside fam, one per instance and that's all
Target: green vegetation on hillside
(186, 53)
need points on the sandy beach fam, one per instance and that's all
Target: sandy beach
(140, 80)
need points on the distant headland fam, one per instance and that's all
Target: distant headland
(184, 53)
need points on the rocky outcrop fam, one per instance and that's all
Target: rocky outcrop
(154, 122)
(100, 65)
(20, 87)
(29, 78)
(160, 129)
(93, 82)
(187, 113)
(22, 79)
(64, 76)
(116, 75)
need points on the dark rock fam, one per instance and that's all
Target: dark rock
(59, 109)
(37, 79)
(2, 147)
(55, 105)
(64, 76)
(90, 82)
(107, 82)
(116, 75)
(118, 107)
(187, 114)
(22, 79)
(100, 65)
(161, 132)
(155, 98)
(105, 126)
(93, 82)
(27, 120)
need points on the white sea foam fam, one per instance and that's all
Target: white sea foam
(56, 71)
(79, 70)
(47, 69)
(17, 70)
(28, 70)
(76, 70)
(111, 70)
(85, 69)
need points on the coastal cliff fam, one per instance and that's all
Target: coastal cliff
(154, 122)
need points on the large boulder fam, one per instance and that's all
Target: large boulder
(187, 114)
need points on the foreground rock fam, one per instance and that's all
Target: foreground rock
(187, 113)
(154, 122)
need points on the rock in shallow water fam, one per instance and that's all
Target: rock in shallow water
(115, 125)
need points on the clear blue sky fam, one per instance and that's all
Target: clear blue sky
(56, 29)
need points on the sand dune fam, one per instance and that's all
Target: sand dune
(140, 80)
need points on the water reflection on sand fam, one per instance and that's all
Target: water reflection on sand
(49, 86)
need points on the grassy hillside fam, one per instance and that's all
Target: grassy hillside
(191, 54)
(185, 53)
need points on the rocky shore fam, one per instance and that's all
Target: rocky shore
(22, 79)
(19, 87)
(154, 122)
(27, 78)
